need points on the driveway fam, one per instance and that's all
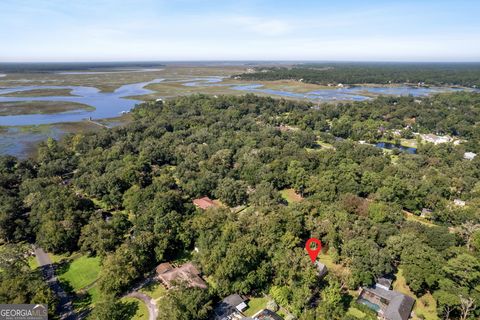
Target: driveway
(65, 308)
(149, 302)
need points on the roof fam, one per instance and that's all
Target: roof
(186, 273)
(233, 300)
(399, 305)
(163, 267)
(228, 306)
(384, 282)
(469, 155)
(204, 203)
(321, 268)
(242, 306)
(267, 315)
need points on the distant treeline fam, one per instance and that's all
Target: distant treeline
(464, 74)
(15, 67)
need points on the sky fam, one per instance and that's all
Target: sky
(175, 30)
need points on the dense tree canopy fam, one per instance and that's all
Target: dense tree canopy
(125, 194)
(466, 74)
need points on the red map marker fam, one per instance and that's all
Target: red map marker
(313, 252)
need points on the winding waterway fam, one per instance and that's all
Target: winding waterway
(343, 94)
(106, 104)
(16, 142)
(111, 104)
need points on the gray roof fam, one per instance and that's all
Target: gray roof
(227, 306)
(233, 300)
(321, 268)
(399, 305)
(385, 281)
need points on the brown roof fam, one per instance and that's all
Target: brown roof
(204, 203)
(186, 273)
(163, 267)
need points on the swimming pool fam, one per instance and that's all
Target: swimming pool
(369, 304)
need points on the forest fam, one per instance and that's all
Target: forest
(363, 203)
(461, 74)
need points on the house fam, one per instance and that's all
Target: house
(266, 314)
(426, 213)
(469, 155)
(285, 128)
(436, 139)
(459, 202)
(389, 304)
(321, 268)
(187, 273)
(163, 267)
(230, 308)
(397, 133)
(384, 283)
(204, 203)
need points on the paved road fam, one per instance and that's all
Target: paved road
(149, 302)
(65, 307)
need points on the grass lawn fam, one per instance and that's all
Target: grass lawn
(327, 260)
(100, 203)
(142, 311)
(154, 289)
(282, 313)
(291, 196)
(325, 145)
(425, 306)
(81, 272)
(356, 313)
(56, 258)
(32, 262)
(411, 217)
(409, 143)
(255, 305)
(94, 294)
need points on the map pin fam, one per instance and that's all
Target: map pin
(313, 252)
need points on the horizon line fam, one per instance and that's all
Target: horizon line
(242, 60)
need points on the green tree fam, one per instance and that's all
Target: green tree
(464, 270)
(331, 306)
(422, 267)
(185, 304)
(111, 308)
(20, 284)
(232, 192)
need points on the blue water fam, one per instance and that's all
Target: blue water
(341, 94)
(106, 104)
(369, 304)
(319, 95)
(111, 104)
(392, 146)
(116, 70)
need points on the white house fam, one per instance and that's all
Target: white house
(469, 155)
